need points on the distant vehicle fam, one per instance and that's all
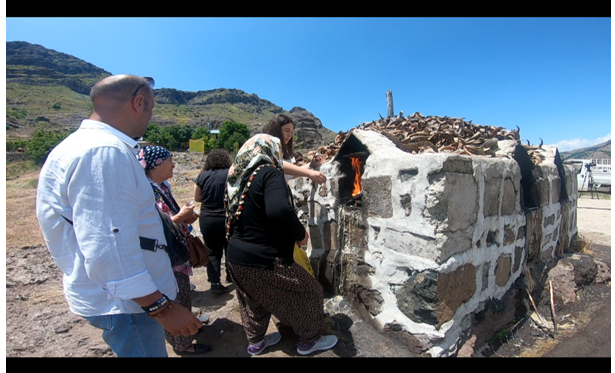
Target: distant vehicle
(594, 173)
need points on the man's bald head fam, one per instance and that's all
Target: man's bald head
(118, 88)
(124, 102)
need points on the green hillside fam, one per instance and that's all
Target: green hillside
(51, 89)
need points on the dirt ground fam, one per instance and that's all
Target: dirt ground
(584, 327)
(39, 324)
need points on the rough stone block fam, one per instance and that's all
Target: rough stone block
(458, 164)
(453, 243)
(518, 258)
(453, 289)
(452, 198)
(315, 238)
(502, 270)
(370, 298)
(416, 298)
(377, 196)
(533, 238)
(549, 220)
(556, 188)
(509, 198)
(509, 235)
(330, 235)
(542, 190)
(492, 193)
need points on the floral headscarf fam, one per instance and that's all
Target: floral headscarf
(258, 151)
(152, 156)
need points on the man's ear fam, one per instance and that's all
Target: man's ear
(138, 103)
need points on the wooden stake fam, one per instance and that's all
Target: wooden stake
(542, 320)
(552, 307)
(390, 103)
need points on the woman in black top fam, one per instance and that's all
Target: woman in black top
(209, 190)
(263, 228)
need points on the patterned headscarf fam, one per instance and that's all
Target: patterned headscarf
(258, 151)
(152, 156)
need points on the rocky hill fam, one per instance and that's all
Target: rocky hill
(599, 151)
(44, 86)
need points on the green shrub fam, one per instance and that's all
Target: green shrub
(232, 136)
(42, 142)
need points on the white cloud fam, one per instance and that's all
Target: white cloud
(568, 145)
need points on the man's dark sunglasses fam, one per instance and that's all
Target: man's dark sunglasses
(150, 81)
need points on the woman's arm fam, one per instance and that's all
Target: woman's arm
(197, 193)
(315, 176)
(186, 214)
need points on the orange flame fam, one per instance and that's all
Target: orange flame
(356, 166)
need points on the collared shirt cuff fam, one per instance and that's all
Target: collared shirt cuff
(132, 287)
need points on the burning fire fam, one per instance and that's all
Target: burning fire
(356, 166)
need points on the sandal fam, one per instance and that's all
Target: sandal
(199, 349)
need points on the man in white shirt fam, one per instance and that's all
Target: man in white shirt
(94, 205)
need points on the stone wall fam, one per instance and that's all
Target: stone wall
(438, 240)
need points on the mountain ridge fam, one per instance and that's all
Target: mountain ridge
(598, 151)
(47, 87)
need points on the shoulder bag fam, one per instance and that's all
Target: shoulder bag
(198, 252)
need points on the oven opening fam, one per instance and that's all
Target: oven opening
(351, 157)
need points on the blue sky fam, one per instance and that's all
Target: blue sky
(549, 76)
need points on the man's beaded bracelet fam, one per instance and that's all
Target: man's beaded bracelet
(160, 303)
(164, 310)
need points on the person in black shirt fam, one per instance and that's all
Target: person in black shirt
(262, 229)
(209, 190)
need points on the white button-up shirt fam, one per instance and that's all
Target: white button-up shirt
(94, 179)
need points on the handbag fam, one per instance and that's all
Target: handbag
(177, 247)
(198, 252)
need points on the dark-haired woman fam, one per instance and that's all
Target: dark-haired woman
(282, 127)
(209, 190)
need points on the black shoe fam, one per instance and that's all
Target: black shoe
(219, 289)
(199, 349)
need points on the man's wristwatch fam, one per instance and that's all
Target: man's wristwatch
(160, 303)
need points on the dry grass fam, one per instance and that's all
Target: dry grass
(22, 227)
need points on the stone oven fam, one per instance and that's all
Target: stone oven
(432, 243)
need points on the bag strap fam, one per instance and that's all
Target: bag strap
(148, 244)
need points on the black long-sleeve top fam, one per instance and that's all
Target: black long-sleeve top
(268, 226)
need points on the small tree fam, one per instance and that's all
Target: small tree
(203, 133)
(232, 136)
(152, 133)
(167, 139)
(43, 141)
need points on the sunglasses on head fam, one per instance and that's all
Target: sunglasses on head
(150, 81)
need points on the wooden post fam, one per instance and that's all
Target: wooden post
(390, 103)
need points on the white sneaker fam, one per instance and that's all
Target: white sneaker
(192, 287)
(204, 319)
(324, 343)
(270, 340)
